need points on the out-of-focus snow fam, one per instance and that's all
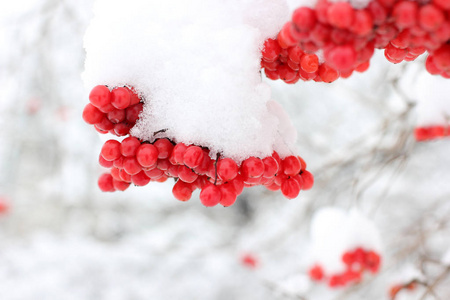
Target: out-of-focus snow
(335, 231)
(196, 63)
(433, 99)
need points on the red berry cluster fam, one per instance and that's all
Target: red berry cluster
(347, 38)
(113, 111)
(356, 263)
(139, 162)
(220, 180)
(431, 133)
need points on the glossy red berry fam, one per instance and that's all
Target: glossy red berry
(147, 155)
(111, 150)
(131, 166)
(182, 190)
(105, 183)
(210, 195)
(100, 96)
(290, 188)
(340, 14)
(193, 156)
(140, 179)
(129, 146)
(92, 115)
(304, 19)
(132, 112)
(228, 194)
(291, 165)
(227, 169)
(186, 174)
(120, 185)
(308, 180)
(252, 167)
(164, 147)
(120, 98)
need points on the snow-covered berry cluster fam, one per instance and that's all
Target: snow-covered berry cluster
(334, 39)
(220, 179)
(357, 262)
(431, 132)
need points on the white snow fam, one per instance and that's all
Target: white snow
(433, 103)
(335, 231)
(197, 65)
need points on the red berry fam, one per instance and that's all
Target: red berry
(309, 63)
(163, 164)
(193, 156)
(441, 58)
(308, 180)
(341, 57)
(131, 166)
(111, 150)
(250, 261)
(227, 169)
(228, 194)
(405, 13)
(340, 14)
(238, 184)
(363, 23)
(147, 155)
(445, 4)
(120, 98)
(132, 112)
(290, 188)
(210, 195)
(115, 173)
(129, 146)
(182, 190)
(286, 73)
(292, 165)
(116, 116)
(295, 53)
(270, 167)
(164, 147)
(105, 124)
(372, 261)
(154, 173)
(328, 74)
(104, 163)
(186, 174)
(105, 183)
(252, 167)
(316, 273)
(121, 129)
(431, 17)
(120, 185)
(124, 176)
(177, 154)
(100, 96)
(304, 19)
(140, 179)
(271, 50)
(92, 115)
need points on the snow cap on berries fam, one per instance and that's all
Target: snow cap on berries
(335, 231)
(196, 64)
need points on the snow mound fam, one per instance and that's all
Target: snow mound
(196, 64)
(335, 231)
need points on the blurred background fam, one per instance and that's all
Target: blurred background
(61, 238)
